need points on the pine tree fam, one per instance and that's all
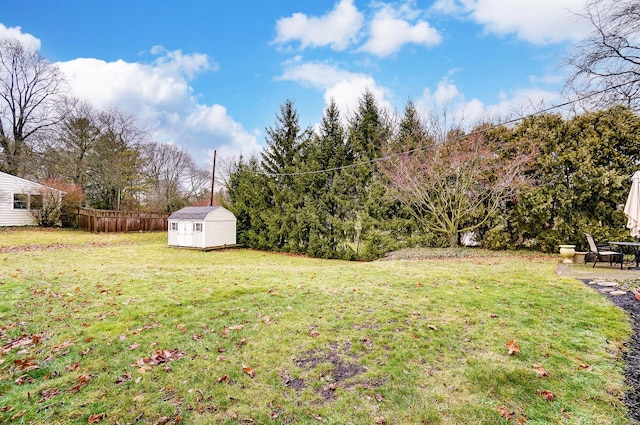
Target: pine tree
(280, 159)
(369, 131)
(319, 222)
(247, 197)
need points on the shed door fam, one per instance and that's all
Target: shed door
(185, 233)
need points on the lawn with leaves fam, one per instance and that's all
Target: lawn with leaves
(123, 329)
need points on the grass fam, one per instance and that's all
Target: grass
(123, 329)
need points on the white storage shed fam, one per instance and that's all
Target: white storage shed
(202, 227)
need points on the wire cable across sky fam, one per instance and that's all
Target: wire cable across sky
(473, 133)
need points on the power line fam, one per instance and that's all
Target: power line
(473, 133)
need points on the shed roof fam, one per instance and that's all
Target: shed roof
(192, 213)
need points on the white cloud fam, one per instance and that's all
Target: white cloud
(179, 63)
(538, 22)
(447, 100)
(344, 87)
(336, 29)
(16, 33)
(315, 74)
(391, 28)
(448, 7)
(159, 96)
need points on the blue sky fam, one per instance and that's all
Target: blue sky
(212, 75)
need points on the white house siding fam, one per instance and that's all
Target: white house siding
(10, 185)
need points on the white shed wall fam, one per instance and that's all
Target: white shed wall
(220, 233)
(172, 234)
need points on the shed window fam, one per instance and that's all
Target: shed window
(197, 227)
(20, 201)
(174, 226)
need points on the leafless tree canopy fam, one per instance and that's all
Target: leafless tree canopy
(30, 87)
(606, 65)
(453, 187)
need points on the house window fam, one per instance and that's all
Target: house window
(174, 227)
(197, 227)
(20, 201)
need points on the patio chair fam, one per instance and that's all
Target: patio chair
(602, 252)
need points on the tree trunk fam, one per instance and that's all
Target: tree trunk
(453, 239)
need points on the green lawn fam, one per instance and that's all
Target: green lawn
(122, 329)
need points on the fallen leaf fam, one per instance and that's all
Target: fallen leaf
(196, 337)
(236, 327)
(123, 378)
(513, 347)
(548, 395)
(159, 357)
(432, 327)
(17, 415)
(134, 346)
(504, 412)
(242, 341)
(223, 378)
(48, 393)
(314, 334)
(586, 367)
(26, 379)
(83, 380)
(248, 371)
(182, 327)
(163, 421)
(26, 364)
(542, 373)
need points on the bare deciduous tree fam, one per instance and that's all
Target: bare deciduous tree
(452, 187)
(30, 86)
(174, 179)
(606, 65)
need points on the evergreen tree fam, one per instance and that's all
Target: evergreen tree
(582, 174)
(369, 131)
(279, 160)
(319, 222)
(248, 198)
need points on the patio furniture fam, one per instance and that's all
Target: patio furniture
(634, 245)
(602, 252)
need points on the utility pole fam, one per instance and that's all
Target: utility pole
(213, 178)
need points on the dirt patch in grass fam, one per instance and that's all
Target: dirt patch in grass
(341, 367)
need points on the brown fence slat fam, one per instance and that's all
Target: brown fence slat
(106, 221)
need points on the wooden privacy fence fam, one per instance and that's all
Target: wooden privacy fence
(120, 221)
